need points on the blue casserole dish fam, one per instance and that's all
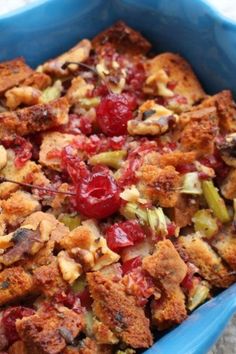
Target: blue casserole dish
(192, 28)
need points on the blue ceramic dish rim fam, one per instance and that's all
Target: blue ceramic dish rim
(226, 309)
(219, 17)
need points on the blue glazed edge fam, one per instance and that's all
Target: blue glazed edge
(201, 329)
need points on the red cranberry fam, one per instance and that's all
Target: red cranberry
(171, 229)
(22, 149)
(113, 113)
(9, 321)
(131, 264)
(97, 195)
(124, 234)
(186, 168)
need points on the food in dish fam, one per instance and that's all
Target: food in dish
(117, 197)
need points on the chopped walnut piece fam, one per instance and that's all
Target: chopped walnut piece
(25, 95)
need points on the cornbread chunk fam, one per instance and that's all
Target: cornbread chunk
(119, 311)
(199, 133)
(90, 346)
(89, 247)
(225, 245)
(50, 331)
(166, 265)
(178, 71)
(18, 347)
(123, 38)
(160, 184)
(15, 284)
(226, 110)
(210, 265)
(169, 309)
(51, 142)
(12, 72)
(48, 279)
(228, 187)
(19, 205)
(79, 53)
(184, 210)
(38, 80)
(25, 95)
(16, 174)
(34, 119)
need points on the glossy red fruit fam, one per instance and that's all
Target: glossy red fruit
(124, 234)
(113, 113)
(97, 195)
(9, 321)
(131, 264)
(171, 229)
(22, 149)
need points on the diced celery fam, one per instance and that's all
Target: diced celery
(153, 219)
(215, 202)
(89, 102)
(110, 158)
(50, 93)
(79, 285)
(133, 211)
(205, 222)
(200, 295)
(126, 351)
(89, 323)
(157, 221)
(191, 184)
(70, 220)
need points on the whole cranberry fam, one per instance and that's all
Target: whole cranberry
(113, 113)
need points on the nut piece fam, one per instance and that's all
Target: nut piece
(3, 157)
(69, 268)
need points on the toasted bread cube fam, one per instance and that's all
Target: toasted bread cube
(34, 119)
(49, 280)
(169, 309)
(160, 184)
(18, 347)
(228, 187)
(38, 80)
(23, 95)
(225, 245)
(203, 257)
(199, 133)
(16, 174)
(12, 72)
(53, 141)
(184, 210)
(226, 110)
(17, 207)
(15, 284)
(123, 38)
(59, 230)
(89, 246)
(49, 332)
(119, 311)
(180, 72)
(90, 346)
(79, 53)
(166, 265)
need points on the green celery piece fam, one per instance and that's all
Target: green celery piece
(79, 285)
(162, 226)
(191, 184)
(205, 222)
(110, 158)
(133, 211)
(70, 220)
(89, 320)
(201, 294)
(215, 202)
(152, 219)
(50, 93)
